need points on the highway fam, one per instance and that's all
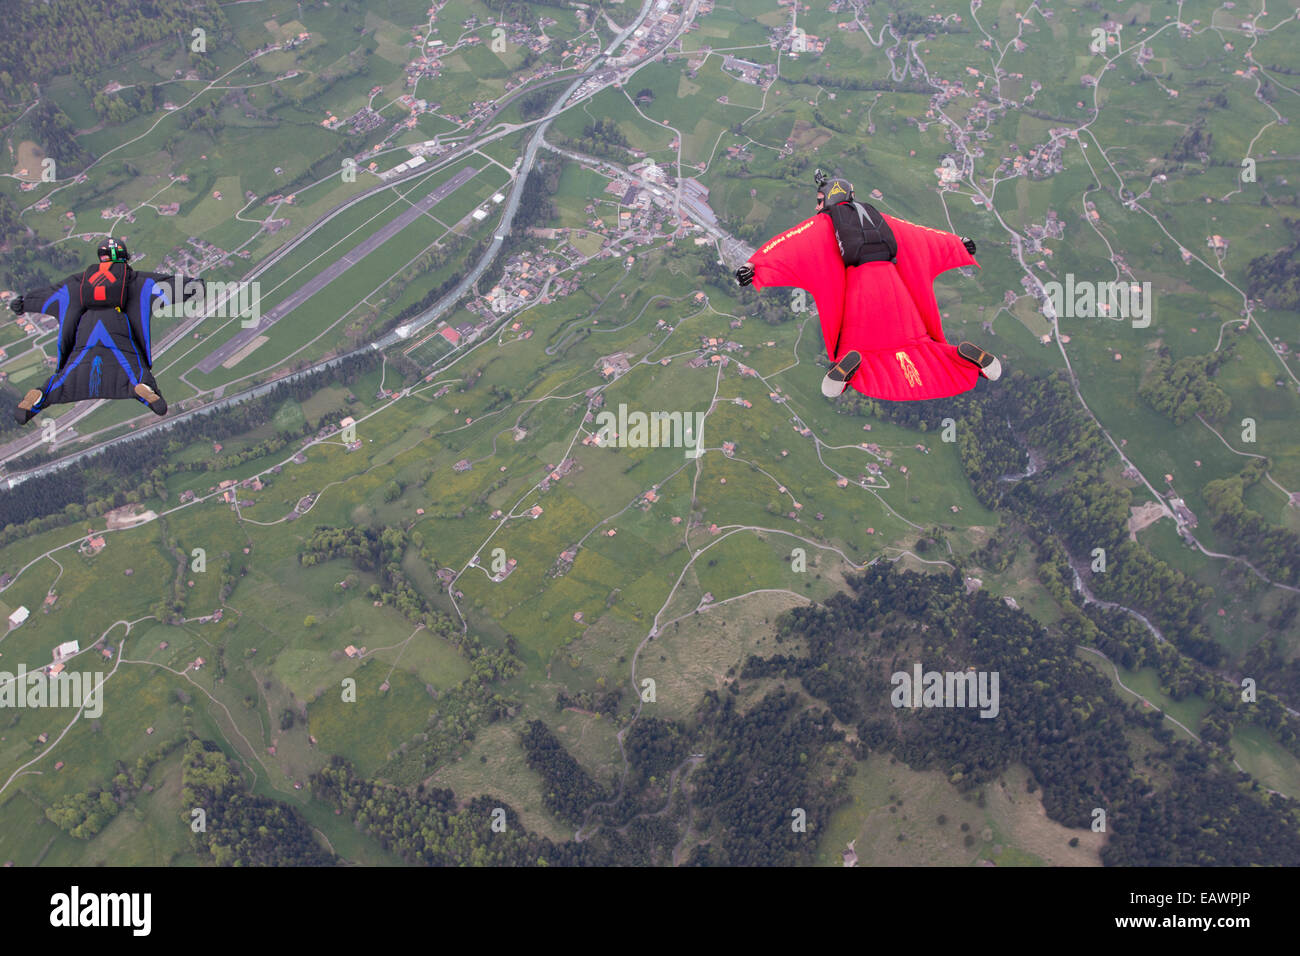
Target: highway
(594, 73)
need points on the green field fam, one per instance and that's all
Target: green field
(678, 566)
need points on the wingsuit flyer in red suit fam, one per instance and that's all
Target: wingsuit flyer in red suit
(872, 277)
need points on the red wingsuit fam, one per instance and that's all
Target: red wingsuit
(885, 310)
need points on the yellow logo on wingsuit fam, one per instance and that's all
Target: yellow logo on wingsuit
(837, 188)
(909, 370)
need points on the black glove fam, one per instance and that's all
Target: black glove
(16, 303)
(969, 244)
(745, 274)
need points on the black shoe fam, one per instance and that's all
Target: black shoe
(837, 379)
(23, 413)
(157, 404)
(989, 365)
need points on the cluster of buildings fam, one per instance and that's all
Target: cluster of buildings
(1041, 161)
(790, 38)
(120, 211)
(200, 256)
(564, 562)
(1052, 228)
(364, 120)
(558, 472)
(761, 75)
(522, 35)
(582, 50)
(229, 490)
(527, 277)
(542, 276)
(659, 25)
(404, 167)
(710, 352)
(511, 564)
(612, 366)
(426, 66)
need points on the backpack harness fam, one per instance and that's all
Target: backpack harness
(862, 233)
(104, 286)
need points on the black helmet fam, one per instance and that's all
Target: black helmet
(838, 191)
(113, 250)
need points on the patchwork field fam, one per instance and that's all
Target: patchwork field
(476, 560)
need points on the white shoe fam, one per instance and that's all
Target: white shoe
(988, 364)
(837, 379)
(832, 388)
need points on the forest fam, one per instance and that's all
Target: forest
(1070, 506)
(601, 138)
(762, 768)
(567, 789)
(1178, 390)
(45, 38)
(769, 776)
(240, 828)
(1059, 717)
(1275, 279)
(1276, 549)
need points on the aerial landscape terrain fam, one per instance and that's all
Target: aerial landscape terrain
(492, 522)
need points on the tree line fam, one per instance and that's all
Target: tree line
(380, 551)
(1275, 279)
(1276, 550)
(135, 470)
(85, 814)
(568, 791)
(425, 825)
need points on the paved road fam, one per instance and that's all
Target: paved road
(213, 359)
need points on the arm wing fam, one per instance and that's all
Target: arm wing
(923, 253)
(807, 257)
(148, 289)
(188, 285)
(63, 301)
(52, 299)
